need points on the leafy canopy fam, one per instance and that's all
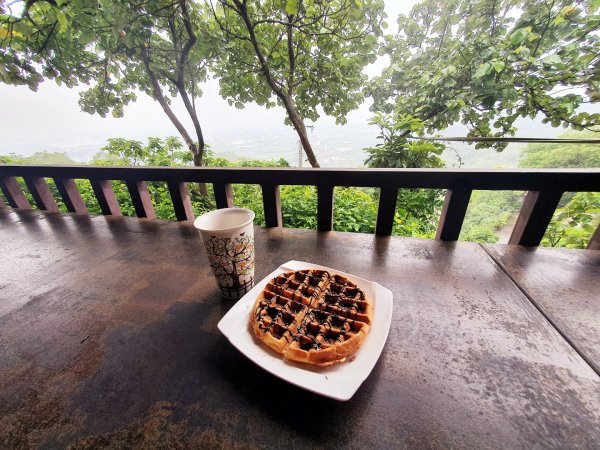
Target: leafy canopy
(311, 52)
(486, 63)
(106, 43)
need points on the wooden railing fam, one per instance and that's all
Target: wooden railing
(544, 190)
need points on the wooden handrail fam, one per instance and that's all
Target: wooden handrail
(544, 189)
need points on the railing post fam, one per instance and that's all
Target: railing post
(272, 205)
(223, 195)
(325, 207)
(41, 194)
(386, 211)
(453, 214)
(70, 195)
(535, 215)
(594, 243)
(13, 193)
(182, 203)
(107, 200)
(141, 198)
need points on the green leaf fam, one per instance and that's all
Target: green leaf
(499, 66)
(519, 35)
(483, 70)
(63, 23)
(291, 7)
(553, 59)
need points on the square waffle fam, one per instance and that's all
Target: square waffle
(312, 316)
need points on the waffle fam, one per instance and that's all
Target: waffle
(312, 316)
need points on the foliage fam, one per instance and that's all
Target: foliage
(562, 155)
(120, 47)
(489, 211)
(573, 225)
(40, 158)
(397, 150)
(489, 62)
(158, 152)
(417, 210)
(301, 55)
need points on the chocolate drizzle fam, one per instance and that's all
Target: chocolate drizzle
(312, 308)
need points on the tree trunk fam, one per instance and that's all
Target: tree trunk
(301, 130)
(295, 118)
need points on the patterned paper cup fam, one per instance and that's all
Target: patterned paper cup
(228, 236)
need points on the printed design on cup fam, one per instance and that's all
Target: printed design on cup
(232, 262)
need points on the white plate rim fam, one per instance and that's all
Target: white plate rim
(340, 381)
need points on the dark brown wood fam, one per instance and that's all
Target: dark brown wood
(142, 202)
(223, 195)
(565, 286)
(70, 195)
(105, 194)
(41, 194)
(536, 213)
(386, 211)
(2, 204)
(181, 201)
(325, 207)
(568, 180)
(453, 214)
(594, 243)
(13, 193)
(272, 205)
(114, 343)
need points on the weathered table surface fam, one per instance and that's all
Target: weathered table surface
(108, 338)
(564, 285)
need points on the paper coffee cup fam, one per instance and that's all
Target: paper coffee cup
(228, 236)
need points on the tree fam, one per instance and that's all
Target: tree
(305, 53)
(578, 214)
(562, 155)
(119, 46)
(417, 209)
(487, 63)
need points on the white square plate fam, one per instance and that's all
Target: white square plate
(339, 381)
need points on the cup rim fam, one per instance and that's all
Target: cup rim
(221, 211)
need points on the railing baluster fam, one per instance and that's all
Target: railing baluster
(41, 194)
(107, 200)
(2, 204)
(13, 193)
(453, 214)
(223, 195)
(594, 243)
(181, 201)
(386, 211)
(70, 195)
(272, 205)
(536, 213)
(141, 199)
(324, 207)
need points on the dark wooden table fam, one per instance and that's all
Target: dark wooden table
(108, 338)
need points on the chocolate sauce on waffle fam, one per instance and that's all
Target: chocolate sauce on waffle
(311, 310)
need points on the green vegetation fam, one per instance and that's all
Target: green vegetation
(306, 56)
(486, 63)
(489, 211)
(483, 64)
(574, 221)
(119, 47)
(578, 214)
